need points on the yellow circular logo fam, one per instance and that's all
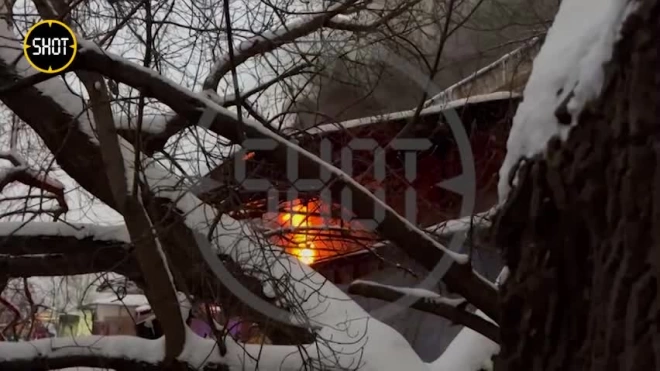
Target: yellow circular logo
(50, 46)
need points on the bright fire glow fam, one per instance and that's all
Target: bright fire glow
(307, 256)
(304, 249)
(304, 236)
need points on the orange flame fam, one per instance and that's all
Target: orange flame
(306, 237)
(298, 218)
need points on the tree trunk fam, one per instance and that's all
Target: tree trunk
(581, 231)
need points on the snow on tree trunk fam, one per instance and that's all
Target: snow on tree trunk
(580, 227)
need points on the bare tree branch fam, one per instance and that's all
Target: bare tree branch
(54, 248)
(341, 22)
(231, 100)
(22, 173)
(153, 264)
(270, 41)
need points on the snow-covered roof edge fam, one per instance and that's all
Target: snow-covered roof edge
(350, 124)
(449, 93)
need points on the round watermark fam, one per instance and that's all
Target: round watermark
(50, 46)
(464, 185)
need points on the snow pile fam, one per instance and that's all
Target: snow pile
(568, 67)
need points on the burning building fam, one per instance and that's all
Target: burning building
(320, 232)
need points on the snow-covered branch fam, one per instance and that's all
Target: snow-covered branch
(120, 165)
(19, 238)
(269, 41)
(120, 168)
(335, 17)
(347, 337)
(21, 172)
(56, 248)
(69, 132)
(345, 23)
(430, 302)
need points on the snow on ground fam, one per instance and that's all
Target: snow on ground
(569, 62)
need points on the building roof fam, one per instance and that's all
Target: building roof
(436, 108)
(510, 72)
